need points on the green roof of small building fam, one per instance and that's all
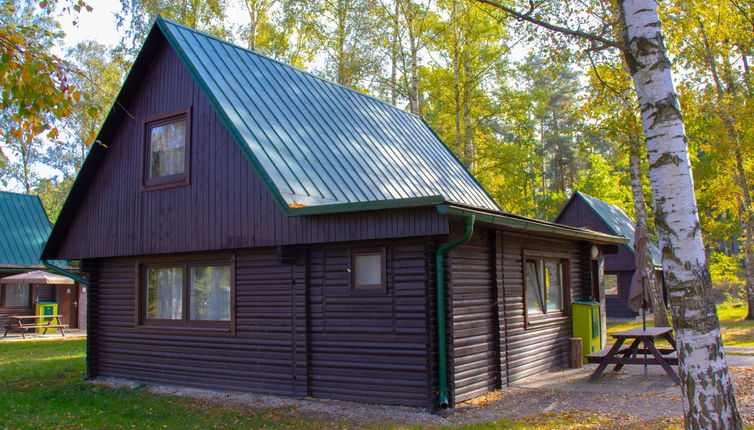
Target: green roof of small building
(24, 228)
(619, 222)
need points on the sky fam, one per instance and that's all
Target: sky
(99, 24)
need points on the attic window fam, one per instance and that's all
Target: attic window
(167, 150)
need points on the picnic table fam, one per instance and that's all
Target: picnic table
(621, 355)
(18, 322)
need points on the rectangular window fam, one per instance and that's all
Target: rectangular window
(368, 271)
(210, 293)
(193, 293)
(611, 284)
(167, 151)
(16, 296)
(546, 286)
(165, 293)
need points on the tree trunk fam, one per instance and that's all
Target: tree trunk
(456, 83)
(655, 288)
(708, 395)
(468, 132)
(741, 178)
(394, 54)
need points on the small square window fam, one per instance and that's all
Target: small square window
(167, 151)
(368, 271)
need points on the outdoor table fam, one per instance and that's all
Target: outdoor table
(620, 356)
(17, 322)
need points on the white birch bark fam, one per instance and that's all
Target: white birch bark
(708, 396)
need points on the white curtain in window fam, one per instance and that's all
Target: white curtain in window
(534, 286)
(168, 146)
(210, 293)
(165, 293)
(554, 286)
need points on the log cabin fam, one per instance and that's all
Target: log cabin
(24, 228)
(583, 210)
(245, 225)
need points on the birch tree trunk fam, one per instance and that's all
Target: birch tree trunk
(655, 289)
(708, 395)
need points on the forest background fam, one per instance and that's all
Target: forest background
(533, 118)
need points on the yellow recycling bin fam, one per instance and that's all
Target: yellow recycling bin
(586, 325)
(46, 308)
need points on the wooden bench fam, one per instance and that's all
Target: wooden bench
(642, 350)
(16, 322)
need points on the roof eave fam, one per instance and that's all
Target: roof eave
(532, 225)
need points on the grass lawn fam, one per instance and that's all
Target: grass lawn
(42, 388)
(735, 330)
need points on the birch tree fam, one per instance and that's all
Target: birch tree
(708, 394)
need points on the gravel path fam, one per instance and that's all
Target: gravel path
(626, 396)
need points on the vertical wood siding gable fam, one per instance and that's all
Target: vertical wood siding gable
(226, 204)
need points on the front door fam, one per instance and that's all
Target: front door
(68, 299)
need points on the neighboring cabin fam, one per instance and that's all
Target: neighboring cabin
(24, 228)
(585, 211)
(248, 226)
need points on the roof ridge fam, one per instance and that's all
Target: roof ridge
(177, 24)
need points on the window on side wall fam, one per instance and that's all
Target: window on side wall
(166, 150)
(187, 294)
(368, 271)
(611, 284)
(16, 296)
(547, 287)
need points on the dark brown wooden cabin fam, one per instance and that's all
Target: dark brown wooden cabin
(320, 212)
(583, 210)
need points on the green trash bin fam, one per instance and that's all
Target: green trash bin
(586, 325)
(46, 308)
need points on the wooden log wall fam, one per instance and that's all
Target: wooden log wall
(474, 323)
(300, 331)
(369, 347)
(491, 344)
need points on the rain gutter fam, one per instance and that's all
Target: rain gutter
(442, 353)
(61, 271)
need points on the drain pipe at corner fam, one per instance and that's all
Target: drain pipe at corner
(442, 359)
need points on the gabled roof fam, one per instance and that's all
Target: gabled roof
(24, 228)
(617, 221)
(318, 143)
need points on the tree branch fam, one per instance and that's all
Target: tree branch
(560, 29)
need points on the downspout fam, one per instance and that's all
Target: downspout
(61, 271)
(442, 358)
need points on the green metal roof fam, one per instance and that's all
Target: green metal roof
(24, 228)
(316, 143)
(619, 222)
